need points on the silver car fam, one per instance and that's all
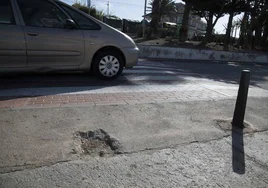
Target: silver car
(47, 35)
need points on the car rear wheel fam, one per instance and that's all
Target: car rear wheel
(108, 65)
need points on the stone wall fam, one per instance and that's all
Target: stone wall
(196, 54)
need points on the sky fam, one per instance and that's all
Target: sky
(135, 9)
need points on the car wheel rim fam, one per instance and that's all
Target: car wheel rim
(109, 66)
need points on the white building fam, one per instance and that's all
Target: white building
(196, 25)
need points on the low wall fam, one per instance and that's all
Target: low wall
(159, 52)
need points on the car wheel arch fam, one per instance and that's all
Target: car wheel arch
(107, 48)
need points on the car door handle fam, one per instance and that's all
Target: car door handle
(32, 34)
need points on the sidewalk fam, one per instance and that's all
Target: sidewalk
(119, 95)
(205, 164)
(196, 165)
(175, 144)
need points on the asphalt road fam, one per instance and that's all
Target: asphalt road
(145, 73)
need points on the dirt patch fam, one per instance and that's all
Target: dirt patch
(226, 126)
(97, 143)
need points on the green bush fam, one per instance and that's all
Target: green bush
(167, 32)
(92, 10)
(219, 38)
(81, 7)
(140, 32)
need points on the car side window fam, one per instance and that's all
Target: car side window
(42, 13)
(6, 13)
(83, 22)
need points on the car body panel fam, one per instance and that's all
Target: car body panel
(68, 49)
(12, 44)
(54, 47)
(132, 55)
(12, 47)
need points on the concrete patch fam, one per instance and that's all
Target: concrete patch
(37, 137)
(226, 126)
(97, 142)
(195, 165)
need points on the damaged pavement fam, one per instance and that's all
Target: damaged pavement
(182, 144)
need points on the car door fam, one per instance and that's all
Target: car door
(12, 40)
(49, 42)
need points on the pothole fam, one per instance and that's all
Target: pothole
(226, 126)
(97, 143)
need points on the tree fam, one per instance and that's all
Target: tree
(254, 23)
(264, 37)
(185, 20)
(260, 21)
(233, 7)
(243, 29)
(155, 17)
(167, 8)
(209, 9)
(92, 10)
(81, 7)
(160, 8)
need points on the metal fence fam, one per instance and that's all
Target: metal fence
(124, 25)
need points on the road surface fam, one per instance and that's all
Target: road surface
(148, 82)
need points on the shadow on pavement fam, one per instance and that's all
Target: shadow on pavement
(42, 84)
(55, 79)
(238, 154)
(225, 72)
(145, 73)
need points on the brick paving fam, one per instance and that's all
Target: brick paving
(105, 99)
(128, 95)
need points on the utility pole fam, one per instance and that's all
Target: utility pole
(108, 5)
(144, 25)
(88, 3)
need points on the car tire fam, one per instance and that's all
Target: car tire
(108, 65)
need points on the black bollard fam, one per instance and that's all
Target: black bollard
(241, 101)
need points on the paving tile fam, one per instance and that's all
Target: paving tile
(125, 96)
(132, 101)
(109, 103)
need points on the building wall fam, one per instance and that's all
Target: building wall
(196, 25)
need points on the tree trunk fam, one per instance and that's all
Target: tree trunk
(185, 21)
(243, 31)
(209, 29)
(265, 35)
(155, 18)
(257, 39)
(253, 23)
(260, 27)
(228, 32)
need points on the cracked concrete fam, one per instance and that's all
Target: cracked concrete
(206, 164)
(163, 145)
